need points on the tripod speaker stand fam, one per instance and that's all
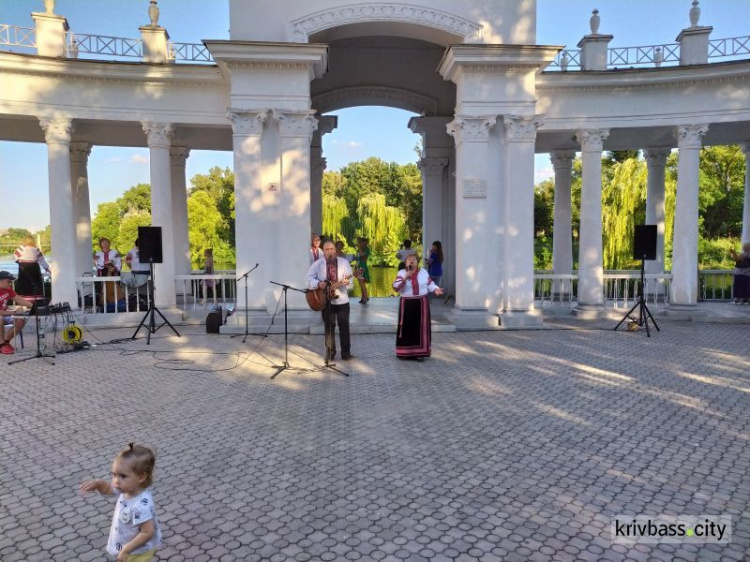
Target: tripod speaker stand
(644, 248)
(247, 308)
(152, 312)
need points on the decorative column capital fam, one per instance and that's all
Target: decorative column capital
(562, 159)
(178, 155)
(522, 129)
(247, 123)
(432, 166)
(319, 164)
(689, 136)
(656, 156)
(58, 130)
(592, 140)
(327, 123)
(79, 152)
(158, 134)
(296, 123)
(467, 128)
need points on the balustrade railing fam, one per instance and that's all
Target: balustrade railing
(104, 45)
(729, 47)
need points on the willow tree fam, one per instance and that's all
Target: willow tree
(337, 222)
(624, 206)
(382, 225)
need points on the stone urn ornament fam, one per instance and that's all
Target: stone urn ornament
(564, 61)
(49, 6)
(594, 22)
(658, 57)
(153, 14)
(695, 14)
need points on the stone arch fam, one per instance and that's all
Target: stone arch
(375, 95)
(385, 12)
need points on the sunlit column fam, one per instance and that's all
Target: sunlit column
(296, 130)
(79, 180)
(518, 270)
(178, 156)
(656, 162)
(746, 202)
(474, 232)
(251, 226)
(326, 124)
(685, 241)
(590, 264)
(159, 141)
(434, 172)
(562, 237)
(57, 134)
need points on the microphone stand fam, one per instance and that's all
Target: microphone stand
(39, 337)
(247, 322)
(285, 365)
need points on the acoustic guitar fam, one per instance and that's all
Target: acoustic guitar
(317, 298)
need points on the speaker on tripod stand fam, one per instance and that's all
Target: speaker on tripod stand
(644, 248)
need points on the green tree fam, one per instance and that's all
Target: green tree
(128, 231)
(624, 206)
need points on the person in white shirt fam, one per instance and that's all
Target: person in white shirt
(106, 256)
(135, 533)
(405, 252)
(333, 274)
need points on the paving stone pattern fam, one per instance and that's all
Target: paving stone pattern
(503, 446)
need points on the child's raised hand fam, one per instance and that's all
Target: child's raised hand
(89, 486)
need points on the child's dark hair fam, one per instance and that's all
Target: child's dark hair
(141, 461)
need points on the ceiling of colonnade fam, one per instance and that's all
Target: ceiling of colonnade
(383, 68)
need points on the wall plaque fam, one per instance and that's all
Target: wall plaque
(474, 188)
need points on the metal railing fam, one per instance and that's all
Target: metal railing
(16, 36)
(93, 297)
(555, 290)
(104, 45)
(653, 55)
(715, 285)
(189, 52)
(729, 47)
(201, 291)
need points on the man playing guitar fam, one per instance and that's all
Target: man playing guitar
(334, 275)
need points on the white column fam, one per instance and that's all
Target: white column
(158, 135)
(250, 225)
(293, 231)
(178, 156)
(746, 202)
(437, 209)
(475, 238)
(685, 240)
(434, 172)
(326, 124)
(57, 133)
(518, 270)
(656, 162)
(562, 238)
(590, 265)
(79, 180)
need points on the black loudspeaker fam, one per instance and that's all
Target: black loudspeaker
(644, 242)
(149, 244)
(214, 320)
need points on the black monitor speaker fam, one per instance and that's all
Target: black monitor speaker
(149, 244)
(644, 242)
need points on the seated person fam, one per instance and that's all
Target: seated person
(16, 324)
(112, 294)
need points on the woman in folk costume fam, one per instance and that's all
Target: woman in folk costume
(30, 259)
(414, 334)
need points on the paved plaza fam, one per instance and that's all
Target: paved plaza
(505, 445)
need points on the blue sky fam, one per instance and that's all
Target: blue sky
(362, 132)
